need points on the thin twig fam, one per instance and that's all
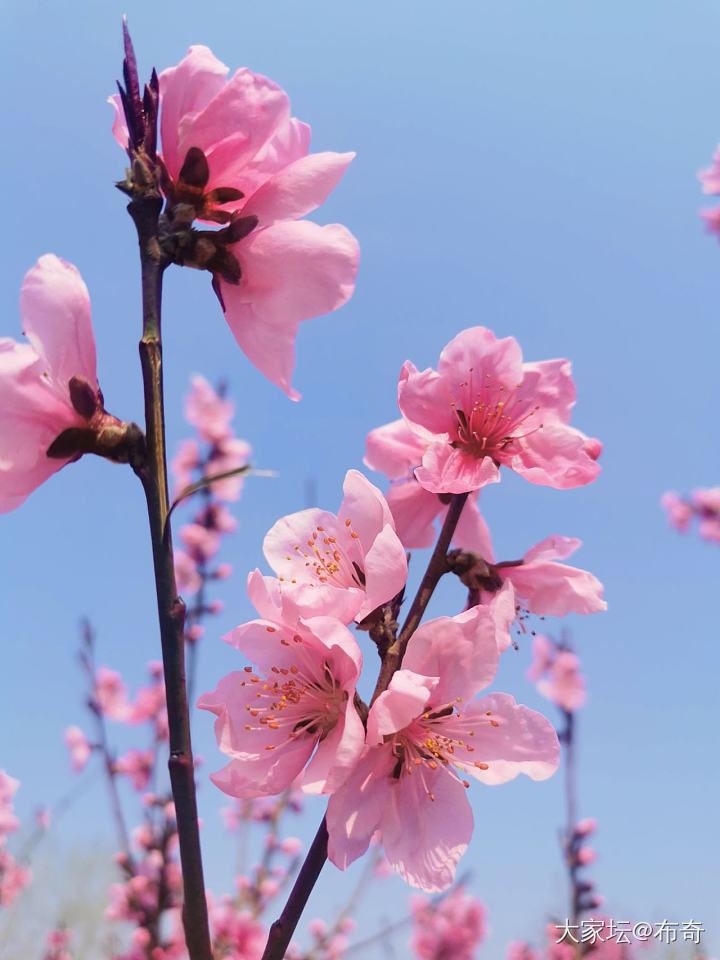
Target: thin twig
(282, 930)
(437, 566)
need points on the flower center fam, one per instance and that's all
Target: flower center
(489, 417)
(332, 557)
(303, 698)
(440, 739)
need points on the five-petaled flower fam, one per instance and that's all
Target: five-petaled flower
(424, 736)
(346, 564)
(234, 154)
(484, 408)
(297, 711)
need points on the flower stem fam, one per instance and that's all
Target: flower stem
(437, 566)
(145, 212)
(282, 930)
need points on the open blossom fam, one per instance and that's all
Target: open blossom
(484, 408)
(296, 710)
(48, 385)
(548, 588)
(425, 733)
(556, 673)
(345, 564)
(396, 450)
(449, 930)
(233, 152)
(14, 877)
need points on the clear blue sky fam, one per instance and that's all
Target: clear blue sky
(525, 165)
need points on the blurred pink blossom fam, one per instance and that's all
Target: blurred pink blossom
(449, 930)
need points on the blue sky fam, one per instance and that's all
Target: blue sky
(529, 166)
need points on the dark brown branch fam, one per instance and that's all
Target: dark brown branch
(437, 566)
(171, 610)
(282, 930)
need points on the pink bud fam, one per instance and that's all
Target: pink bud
(223, 571)
(585, 827)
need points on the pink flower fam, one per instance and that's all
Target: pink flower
(230, 454)
(395, 450)
(183, 463)
(290, 269)
(420, 741)
(47, 385)
(271, 723)
(556, 672)
(14, 877)
(9, 823)
(138, 766)
(236, 934)
(187, 575)
(207, 411)
(484, 408)
(548, 588)
(449, 930)
(110, 694)
(80, 748)
(345, 564)
(678, 510)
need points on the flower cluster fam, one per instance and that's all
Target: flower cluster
(214, 452)
(14, 876)
(556, 672)
(702, 505)
(449, 930)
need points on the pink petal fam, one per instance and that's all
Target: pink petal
(424, 838)
(298, 188)
(556, 456)
(425, 400)
(397, 707)
(234, 126)
(385, 571)
(185, 91)
(472, 532)
(414, 510)
(394, 449)
(292, 271)
(461, 650)
(355, 810)
(556, 589)
(365, 506)
(477, 351)
(553, 548)
(523, 742)
(55, 307)
(337, 754)
(551, 385)
(447, 469)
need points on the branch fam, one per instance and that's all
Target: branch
(437, 566)
(282, 930)
(145, 211)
